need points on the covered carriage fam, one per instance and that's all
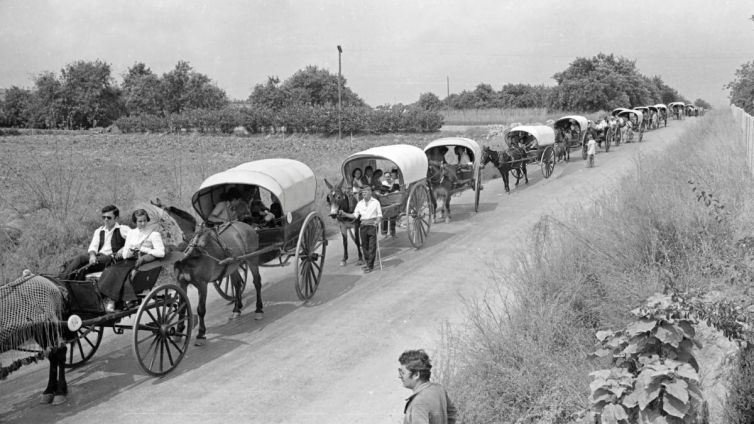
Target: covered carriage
(662, 114)
(468, 174)
(654, 117)
(571, 131)
(691, 110)
(540, 142)
(678, 109)
(645, 122)
(412, 200)
(637, 118)
(287, 188)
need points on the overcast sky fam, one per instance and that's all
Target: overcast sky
(392, 50)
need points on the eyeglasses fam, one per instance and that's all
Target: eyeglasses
(107, 218)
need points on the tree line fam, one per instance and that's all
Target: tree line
(84, 95)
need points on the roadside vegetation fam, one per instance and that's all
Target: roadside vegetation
(525, 353)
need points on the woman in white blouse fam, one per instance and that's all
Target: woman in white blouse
(144, 244)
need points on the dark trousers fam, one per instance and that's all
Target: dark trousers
(78, 266)
(384, 225)
(369, 243)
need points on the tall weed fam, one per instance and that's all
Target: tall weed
(520, 356)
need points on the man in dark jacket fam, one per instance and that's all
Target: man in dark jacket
(429, 403)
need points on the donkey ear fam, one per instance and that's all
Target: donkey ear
(340, 184)
(327, 183)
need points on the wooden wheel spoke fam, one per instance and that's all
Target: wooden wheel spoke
(175, 345)
(154, 320)
(167, 349)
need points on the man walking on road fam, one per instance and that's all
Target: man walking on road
(429, 403)
(370, 211)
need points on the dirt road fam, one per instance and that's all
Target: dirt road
(333, 360)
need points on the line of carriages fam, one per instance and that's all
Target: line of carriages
(162, 319)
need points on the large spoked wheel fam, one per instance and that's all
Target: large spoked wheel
(583, 151)
(82, 348)
(162, 329)
(225, 287)
(477, 188)
(418, 214)
(310, 256)
(548, 162)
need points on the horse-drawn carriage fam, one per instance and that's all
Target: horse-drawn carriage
(297, 230)
(465, 166)
(678, 109)
(662, 111)
(653, 117)
(411, 199)
(636, 118)
(646, 121)
(571, 131)
(526, 144)
(691, 110)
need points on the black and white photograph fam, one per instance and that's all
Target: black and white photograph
(377, 212)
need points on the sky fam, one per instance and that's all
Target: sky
(393, 51)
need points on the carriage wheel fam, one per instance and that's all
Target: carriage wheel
(547, 162)
(583, 151)
(310, 256)
(418, 214)
(82, 348)
(225, 287)
(608, 140)
(162, 329)
(477, 188)
(517, 173)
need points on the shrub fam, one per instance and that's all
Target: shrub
(739, 408)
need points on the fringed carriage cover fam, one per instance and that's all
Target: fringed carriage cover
(30, 310)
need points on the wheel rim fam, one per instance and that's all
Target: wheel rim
(225, 287)
(162, 330)
(83, 347)
(310, 256)
(548, 162)
(417, 215)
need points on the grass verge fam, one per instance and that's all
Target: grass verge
(521, 354)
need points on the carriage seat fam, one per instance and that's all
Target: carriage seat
(94, 276)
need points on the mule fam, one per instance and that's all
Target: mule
(507, 161)
(205, 261)
(441, 178)
(32, 308)
(342, 200)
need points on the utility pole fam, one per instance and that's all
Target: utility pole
(448, 96)
(340, 100)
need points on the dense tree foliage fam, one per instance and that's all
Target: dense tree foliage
(742, 87)
(702, 103)
(310, 86)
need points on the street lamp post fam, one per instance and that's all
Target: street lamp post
(340, 100)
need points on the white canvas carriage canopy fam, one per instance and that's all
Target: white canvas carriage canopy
(580, 120)
(638, 113)
(451, 142)
(410, 160)
(544, 134)
(617, 111)
(674, 104)
(661, 106)
(291, 181)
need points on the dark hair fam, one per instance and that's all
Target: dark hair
(377, 171)
(368, 168)
(353, 173)
(232, 193)
(417, 361)
(111, 208)
(139, 212)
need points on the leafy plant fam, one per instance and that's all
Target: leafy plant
(654, 378)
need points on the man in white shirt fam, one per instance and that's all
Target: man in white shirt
(370, 212)
(106, 242)
(591, 147)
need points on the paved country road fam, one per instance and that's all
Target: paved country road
(333, 360)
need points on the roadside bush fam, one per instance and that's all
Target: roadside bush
(739, 408)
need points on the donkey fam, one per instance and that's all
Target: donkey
(342, 200)
(32, 308)
(207, 258)
(441, 179)
(506, 161)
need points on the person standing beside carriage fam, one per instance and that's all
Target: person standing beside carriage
(106, 242)
(370, 212)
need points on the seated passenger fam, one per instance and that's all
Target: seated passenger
(143, 244)
(464, 158)
(377, 182)
(260, 214)
(436, 155)
(232, 208)
(356, 182)
(106, 242)
(366, 180)
(396, 180)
